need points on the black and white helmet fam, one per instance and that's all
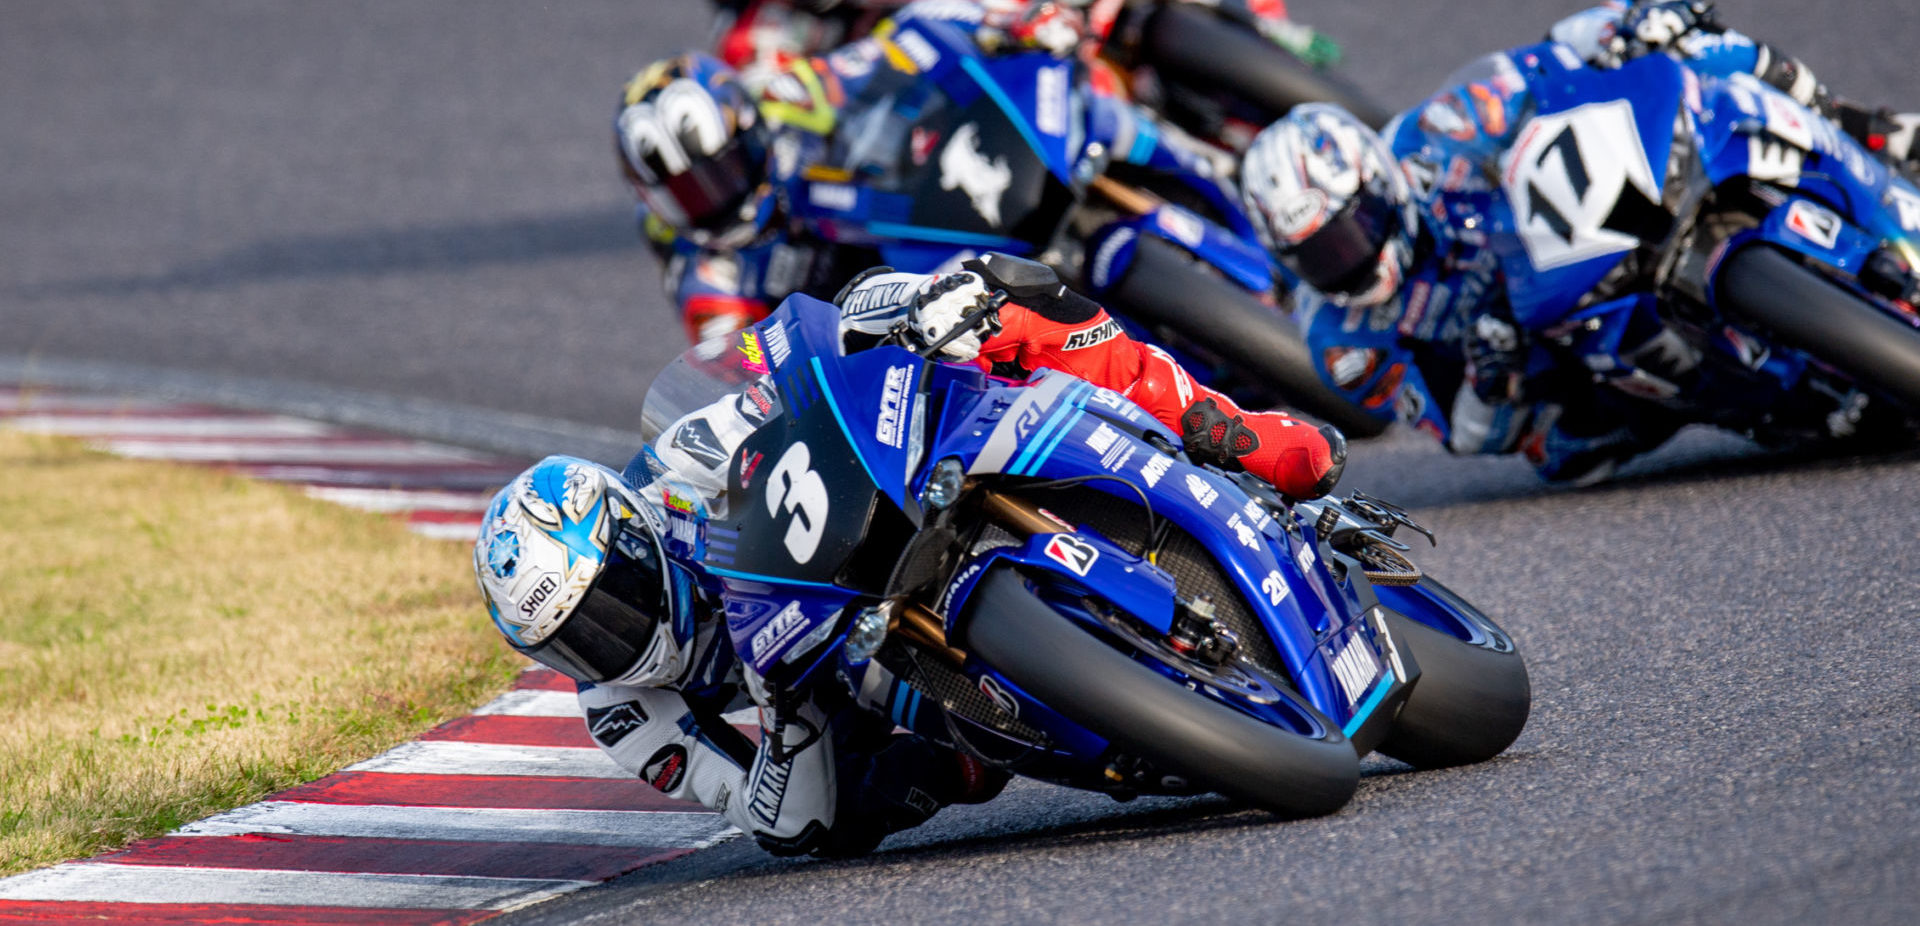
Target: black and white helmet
(1330, 201)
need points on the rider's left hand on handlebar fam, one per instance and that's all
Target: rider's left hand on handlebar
(1657, 26)
(1496, 352)
(944, 302)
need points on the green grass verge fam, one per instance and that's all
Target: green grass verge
(175, 641)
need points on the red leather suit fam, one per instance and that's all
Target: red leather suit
(1073, 334)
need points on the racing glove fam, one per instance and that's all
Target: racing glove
(1658, 26)
(1053, 27)
(1894, 136)
(943, 304)
(1496, 352)
(918, 310)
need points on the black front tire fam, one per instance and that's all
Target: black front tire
(1470, 702)
(1807, 311)
(1147, 714)
(1196, 45)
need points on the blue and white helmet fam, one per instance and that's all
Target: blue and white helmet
(571, 566)
(1330, 201)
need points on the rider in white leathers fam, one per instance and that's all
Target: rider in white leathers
(589, 571)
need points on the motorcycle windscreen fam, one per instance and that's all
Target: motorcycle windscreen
(732, 367)
(984, 177)
(964, 167)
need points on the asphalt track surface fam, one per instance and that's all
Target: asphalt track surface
(416, 202)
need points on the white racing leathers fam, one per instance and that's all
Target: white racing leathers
(843, 779)
(670, 741)
(841, 783)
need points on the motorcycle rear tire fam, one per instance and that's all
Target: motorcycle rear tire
(1147, 714)
(1807, 311)
(1194, 45)
(1165, 286)
(1470, 702)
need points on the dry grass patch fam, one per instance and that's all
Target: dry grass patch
(175, 641)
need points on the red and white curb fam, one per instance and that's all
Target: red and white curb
(506, 807)
(440, 490)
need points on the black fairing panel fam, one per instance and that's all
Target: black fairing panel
(764, 527)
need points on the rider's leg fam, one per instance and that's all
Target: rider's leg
(1585, 441)
(891, 781)
(1298, 459)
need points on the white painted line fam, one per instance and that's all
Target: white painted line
(336, 453)
(18, 402)
(400, 499)
(466, 532)
(234, 426)
(534, 704)
(452, 757)
(492, 471)
(658, 829)
(109, 883)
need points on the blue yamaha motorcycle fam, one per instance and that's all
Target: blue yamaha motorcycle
(945, 153)
(1696, 250)
(1035, 574)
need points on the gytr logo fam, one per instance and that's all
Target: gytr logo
(891, 428)
(783, 627)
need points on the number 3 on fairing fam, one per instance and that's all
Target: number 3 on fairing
(793, 486)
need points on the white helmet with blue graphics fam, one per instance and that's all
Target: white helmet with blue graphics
(571, 566)
(1329, 200)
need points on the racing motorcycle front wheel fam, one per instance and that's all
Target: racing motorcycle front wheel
(1807, 311)
(1473, 695)
(1150, 715)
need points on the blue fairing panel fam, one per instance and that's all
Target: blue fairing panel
(1598, 139)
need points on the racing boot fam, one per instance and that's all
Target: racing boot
(1302, 461)
(900, 787)
(1570, 449)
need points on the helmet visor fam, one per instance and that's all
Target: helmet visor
(1340, 258)
(612, 625)
(710, 190)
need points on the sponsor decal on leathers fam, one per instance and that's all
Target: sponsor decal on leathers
(667, 767)
(1092, 336)
(610, 725)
